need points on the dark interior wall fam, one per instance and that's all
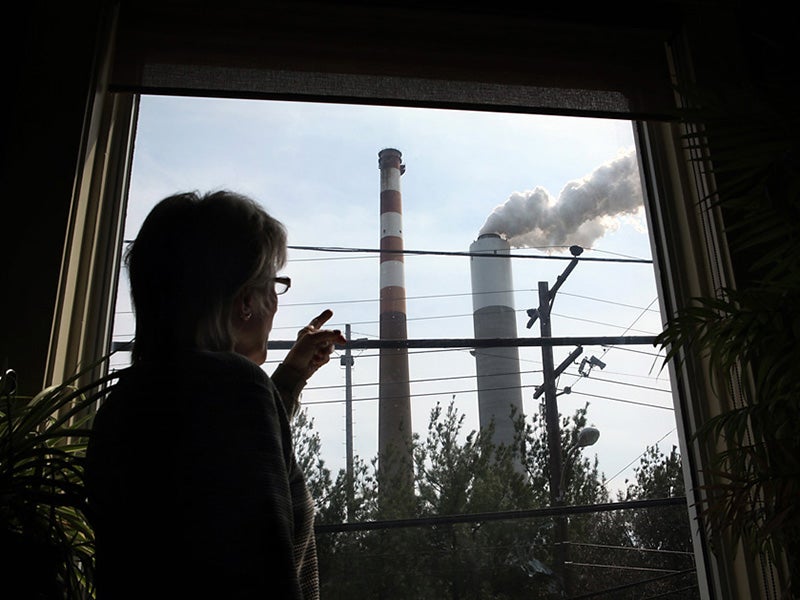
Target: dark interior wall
(48, 53)
(746, 59)
(49, 50)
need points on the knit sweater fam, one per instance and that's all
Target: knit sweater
(193, 485)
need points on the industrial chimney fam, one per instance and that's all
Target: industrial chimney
(394, 427)
(493, 316)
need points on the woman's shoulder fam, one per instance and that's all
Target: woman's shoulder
(187, 381)
(196, 375)
(223, 364)
(199, 366)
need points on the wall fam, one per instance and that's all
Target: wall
(49, 51)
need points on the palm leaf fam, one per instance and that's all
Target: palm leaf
(42, 497)
(748, 336)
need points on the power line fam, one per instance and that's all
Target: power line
(472, 391)
(329, 258)
(419, 395)
(461, 295)
(481, 255)
(594, 322)
(593, 299)
(624, 383)
(494, 342)
(510, 515)
(349, 250)
(617, 474)
(623, 401)
(602, 397)
(472, 376)
(469, 343)
(432, 317)
(441, 296)
(432, 379)
(672, 592)
(629, 328)
(370, 254)
(470, 315)
(657, 354)
(528, 360)
(624, 567)
(619, 588)
(630, 548)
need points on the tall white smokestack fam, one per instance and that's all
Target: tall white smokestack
(499, 391)
(394, 426)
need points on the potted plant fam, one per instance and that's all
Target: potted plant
(46, 542)
(748, 334)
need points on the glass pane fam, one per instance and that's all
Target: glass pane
(539, 186)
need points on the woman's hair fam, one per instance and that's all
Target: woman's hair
(192, 256)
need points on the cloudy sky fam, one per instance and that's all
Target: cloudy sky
(544, 182)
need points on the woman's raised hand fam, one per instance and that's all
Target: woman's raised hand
(314, 345)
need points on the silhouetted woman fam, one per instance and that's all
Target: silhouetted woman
(192, 480)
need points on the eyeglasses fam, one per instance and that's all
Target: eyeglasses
(281, 284)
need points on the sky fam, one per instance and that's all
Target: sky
(544, 182)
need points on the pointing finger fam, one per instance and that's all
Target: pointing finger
(321, 319)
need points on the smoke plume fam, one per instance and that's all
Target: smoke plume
(585, 210)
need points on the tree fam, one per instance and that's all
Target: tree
(458, 474)
(659, 476)
(455, 474)
(649, 550)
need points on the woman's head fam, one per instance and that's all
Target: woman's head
(196, 259)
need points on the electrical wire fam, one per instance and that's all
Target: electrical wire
(372, 251)
(464, 294)
(621, 400)
(341, 386)
(618, 473)
(478, 254)
(624, 567)
(470, 315)
(624, 383)
(607, 349)
(473, 391)
(629, 548)
(433, 379)
(634, 584)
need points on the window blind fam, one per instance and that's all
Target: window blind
(396, 54)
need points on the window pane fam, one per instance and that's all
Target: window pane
(538, 186)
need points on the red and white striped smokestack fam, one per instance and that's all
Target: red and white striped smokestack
(394, 428)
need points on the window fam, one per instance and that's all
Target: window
(603, 65)
(315, 166)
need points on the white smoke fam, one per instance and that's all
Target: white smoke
(585, 210)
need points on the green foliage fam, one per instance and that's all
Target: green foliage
(46, 542)
(458, 474)
(307, 446)
(583, 482)
(455, 477)
(659, 476)
(651, 547)
(748, 334)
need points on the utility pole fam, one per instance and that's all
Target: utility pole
(548, 387)
(347, 361)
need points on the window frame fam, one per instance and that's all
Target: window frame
(688, 249)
